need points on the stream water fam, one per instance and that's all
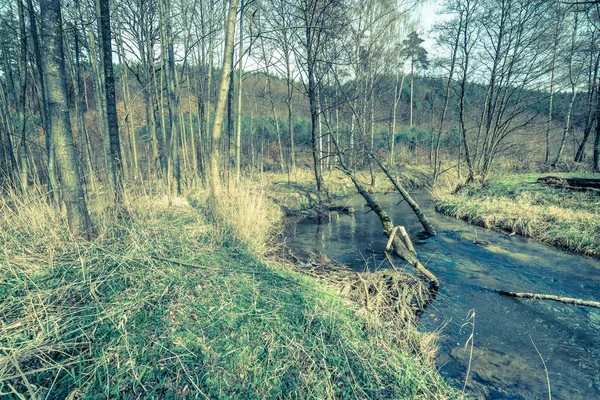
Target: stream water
(504, 361)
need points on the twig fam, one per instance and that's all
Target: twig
(367, 303)
(389, 260)
(471, 321)
(566, 300)
(183, 263)
(545, 368)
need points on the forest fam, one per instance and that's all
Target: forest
(154, 155)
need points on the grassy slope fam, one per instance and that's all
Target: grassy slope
(105, 320)
(516, 203)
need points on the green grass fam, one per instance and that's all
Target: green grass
(516, 203)
(105, 319)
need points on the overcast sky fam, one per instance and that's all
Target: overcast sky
(428, 17)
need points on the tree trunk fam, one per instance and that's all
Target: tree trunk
(290, 94)
(312, 33)
(397, 94)
(566, 130)
(60, 120)
(412, 79)
(215, 182)
(127, 104)
(437, 161)
(79, 106)
(597, 141)
(408, 198)
(10, 160)
(570, 182)
(238, 135)
(22, 100)
(552, 74)
(173, 93)
(52, 177)
(115, 159)
(573, 81)
(228, 160)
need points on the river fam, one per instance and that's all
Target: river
(504, 361)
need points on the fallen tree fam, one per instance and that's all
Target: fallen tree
(401, 245)
(571, 183)
(566, 300)
(407, 197)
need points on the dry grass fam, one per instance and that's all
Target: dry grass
(111, 318)
(518, 204)
(389, 299)
(246, 213)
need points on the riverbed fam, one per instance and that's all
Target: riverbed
(504, 361)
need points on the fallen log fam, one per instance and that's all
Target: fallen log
(406, 239)
(566, 300)
(407, 197)
(401, 248)
(571, 183)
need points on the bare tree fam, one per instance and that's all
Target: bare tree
(215, 182)
(559, 17)
(60, 120)
(114, 160)
(454, 37)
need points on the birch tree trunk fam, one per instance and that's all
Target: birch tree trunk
(397, 94)
(215, 182)
(436, 159)
(238, 135)
(557, 30)
(60, 121)
(573, 79)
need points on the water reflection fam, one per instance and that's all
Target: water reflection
(505, 364)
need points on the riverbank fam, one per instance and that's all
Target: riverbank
(519, 205)
(296, 193)
(179, 301)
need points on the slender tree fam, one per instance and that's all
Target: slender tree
(215, 182)
(60, 120)
(115, 160)
(414, 52)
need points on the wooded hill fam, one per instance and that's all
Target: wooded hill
(295, 73)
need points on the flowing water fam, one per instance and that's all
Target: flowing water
(504, 361)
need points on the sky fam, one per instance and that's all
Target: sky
(428, 17)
